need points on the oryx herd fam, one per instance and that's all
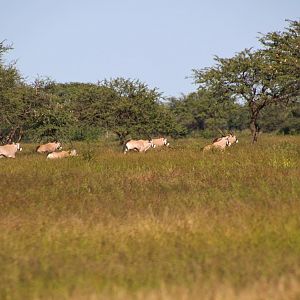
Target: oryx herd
(53, 149)
(50, 149)
(10, 150)
(144, 145)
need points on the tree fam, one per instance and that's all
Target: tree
(291, 125)
(281, 118)
(90, 105)
(134, 110)
(259, 78)
(10, 100)
(282, 50)
(122, 106)
(46, 116)
(200, 111)
(167, 123)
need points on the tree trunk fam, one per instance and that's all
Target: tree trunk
(254, 128)
(20, 135)
(10, 136)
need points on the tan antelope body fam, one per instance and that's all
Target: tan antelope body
(160, 142)
(138, 145)
(10, 150)
(219, 144)
(62, 154)
(49, 147)
(231, 137)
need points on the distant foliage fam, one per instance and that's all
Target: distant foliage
(201, 112)
(254, 89)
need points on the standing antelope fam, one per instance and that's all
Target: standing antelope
(10, 150)
(138, 145)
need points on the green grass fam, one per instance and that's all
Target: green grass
(169, 224)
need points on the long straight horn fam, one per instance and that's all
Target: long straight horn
(222, 132)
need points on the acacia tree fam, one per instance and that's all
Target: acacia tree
(282, 51)
(10, 83)
(199, 111)
(259, 78)
(90, 105)
(45, 115)
(127, 108)
(134, 110)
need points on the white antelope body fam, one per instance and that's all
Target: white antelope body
(10, 150)
(138, 145)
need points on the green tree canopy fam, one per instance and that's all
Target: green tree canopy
(258, 78)
(201, 111)
(10, 102)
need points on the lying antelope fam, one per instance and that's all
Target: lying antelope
(10, 150)
(138, 145)
(231, 137)
(62, 154)
(219, 144)
(49, 147)
(160, 142)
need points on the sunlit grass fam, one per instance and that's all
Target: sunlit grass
(170, 223)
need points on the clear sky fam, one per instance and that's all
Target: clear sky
(156, 41)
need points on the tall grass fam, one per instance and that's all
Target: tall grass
(168, 224)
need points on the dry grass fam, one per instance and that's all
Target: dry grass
(168, 224)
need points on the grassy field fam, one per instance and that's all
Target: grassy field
(168, 224)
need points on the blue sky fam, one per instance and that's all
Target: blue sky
(157, 41)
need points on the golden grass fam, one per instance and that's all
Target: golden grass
(169, 224)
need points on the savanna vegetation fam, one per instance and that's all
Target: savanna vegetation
(169, 224)
(173, 223)
(248, 90)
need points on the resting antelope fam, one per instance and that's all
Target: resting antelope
(160, 142)
(49, 147)
(219, 144)
(62, 154)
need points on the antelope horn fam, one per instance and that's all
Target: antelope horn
(222, 132)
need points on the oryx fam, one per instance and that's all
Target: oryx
(62, 154)
(49, 147)
(138, 145)
(231, 137)
(160, 142)
(219, 144)
(10, 150)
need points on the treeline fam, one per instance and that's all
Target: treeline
(259, 89)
